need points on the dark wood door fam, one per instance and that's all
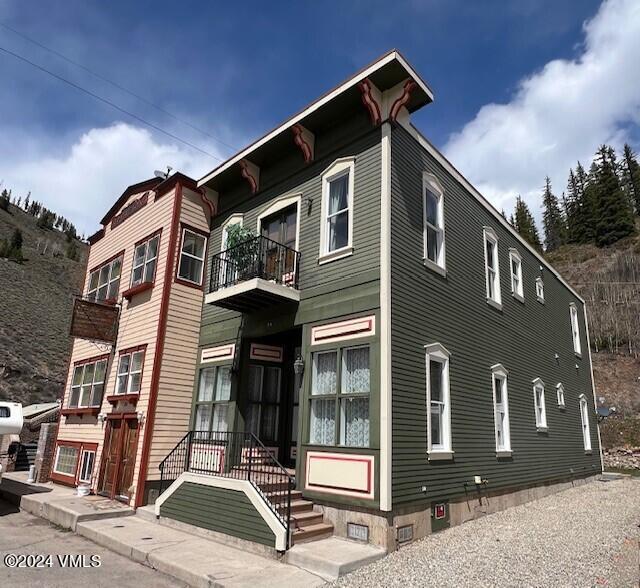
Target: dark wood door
(128, 458)
(110, 453)
(280, 228)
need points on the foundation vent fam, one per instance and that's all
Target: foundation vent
(358, 532)
(405, 534)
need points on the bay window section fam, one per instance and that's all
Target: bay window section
(145, 259)
(438, 402)
(104, 282)
(492, 267)
(192, 254)
(340, 392)
(129, 376)
(212, 403)
(87, 384)
(336, 232)
(501, 411)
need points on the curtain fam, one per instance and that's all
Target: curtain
(355, 422)
(325, 373)
(205, 390)
(203, 416)
(223, 384)
(323, 421)
(356, 378)
(338, 223)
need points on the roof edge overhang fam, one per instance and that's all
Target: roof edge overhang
(133, 189)
(422, 96)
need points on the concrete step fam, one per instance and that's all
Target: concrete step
(312, 532)
(147, 513)
(332, 557)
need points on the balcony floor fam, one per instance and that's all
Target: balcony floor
(252, 295)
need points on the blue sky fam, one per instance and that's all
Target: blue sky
(499, 70)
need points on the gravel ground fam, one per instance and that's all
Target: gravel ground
(585, 536)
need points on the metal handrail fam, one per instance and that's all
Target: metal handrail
(236, 455)
(258, 257)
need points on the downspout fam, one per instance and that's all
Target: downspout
(159, 349)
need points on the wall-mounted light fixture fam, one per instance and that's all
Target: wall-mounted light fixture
(102, 417)
(140, 416)
(298, 366)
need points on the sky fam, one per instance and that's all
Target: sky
(523, 89)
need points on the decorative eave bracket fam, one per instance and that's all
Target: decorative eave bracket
(388, 105)
(305, 140)
(251, 173)
(372, 99)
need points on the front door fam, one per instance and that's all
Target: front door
(118, 458)
(265, 392)
(281, 228)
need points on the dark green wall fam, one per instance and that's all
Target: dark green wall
(453, 311)
(218, 509)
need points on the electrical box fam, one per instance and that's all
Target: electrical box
(440, 516)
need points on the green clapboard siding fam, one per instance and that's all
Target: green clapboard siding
(218, 509)
(453, 311)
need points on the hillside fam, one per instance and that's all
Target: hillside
(36, 299)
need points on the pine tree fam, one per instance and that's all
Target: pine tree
(614, 215)
(4, 200)
(587, 211)
(526, 225)
(555, 232)
(26, 202)
(12, 249)
(631, 176)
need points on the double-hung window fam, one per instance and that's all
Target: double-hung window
(212, 403)
(192, 254)
(492, 267)
(515, 265)
(433, 214)
(540, 289)
(539, 405)
(340, 390)
(501, 409)
(87, 384)
(584, 416)
(87, 462)
(575, 329)
(145, 259)
(129, 375)
(560, 395)
(66, 460)
(74, 462)
(438, 402)
(336, 232)
(104, 282)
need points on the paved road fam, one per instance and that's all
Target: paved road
(23, 534)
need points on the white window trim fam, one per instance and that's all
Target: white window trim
(575, 329)
(110, 279)
(541, 424)
(94, 382)
(498, 371)
(145, 261)
(130, 372)
(203, 259)
(336, 169)
(83, 453)
(488, 234)
(584, 421)
(560, 395)
(540, 293)
(517, 293)
(432, 183)
(236, 218)
(55, 463)
(437, 352)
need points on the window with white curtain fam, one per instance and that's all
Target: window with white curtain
(539, 405)
(212, 402)
(340, 390)
(433, 217)
(501, 408)
(539, 289)
(575, 329)
(584, 416)
(515, 263)
(560, 394)
(492, 266)
(336, 232)
(438, 401)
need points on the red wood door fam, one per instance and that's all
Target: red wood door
(118, 458)
(129, 433)
(110, 452)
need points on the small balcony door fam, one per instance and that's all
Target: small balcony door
(282, 228)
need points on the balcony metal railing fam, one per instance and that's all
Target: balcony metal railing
(258, 257)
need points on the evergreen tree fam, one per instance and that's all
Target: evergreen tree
(19, 201)
(4, 200)
(552, 219)
(12, 249)
(631, 176)
(614, 215)
(526, 225)
(26, 202)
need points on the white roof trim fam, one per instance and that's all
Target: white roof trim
(442, 160)
(391, 56)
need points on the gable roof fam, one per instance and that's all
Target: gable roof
(133, 189)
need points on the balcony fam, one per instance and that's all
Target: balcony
(254, 275)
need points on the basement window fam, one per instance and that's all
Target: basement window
(405, 534)
(358, 532)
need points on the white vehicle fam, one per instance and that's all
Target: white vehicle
(10, 424)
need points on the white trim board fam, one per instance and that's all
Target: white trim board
(253, 284)
(244, 486)
(444, 162)
(352, 81)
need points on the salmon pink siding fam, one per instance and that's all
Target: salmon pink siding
(138, 323)
(178, 365)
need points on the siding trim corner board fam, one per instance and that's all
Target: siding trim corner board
(159, 348)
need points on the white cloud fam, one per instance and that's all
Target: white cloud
(557, 115)
(87, 178)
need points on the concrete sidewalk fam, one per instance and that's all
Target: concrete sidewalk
(197, 561)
